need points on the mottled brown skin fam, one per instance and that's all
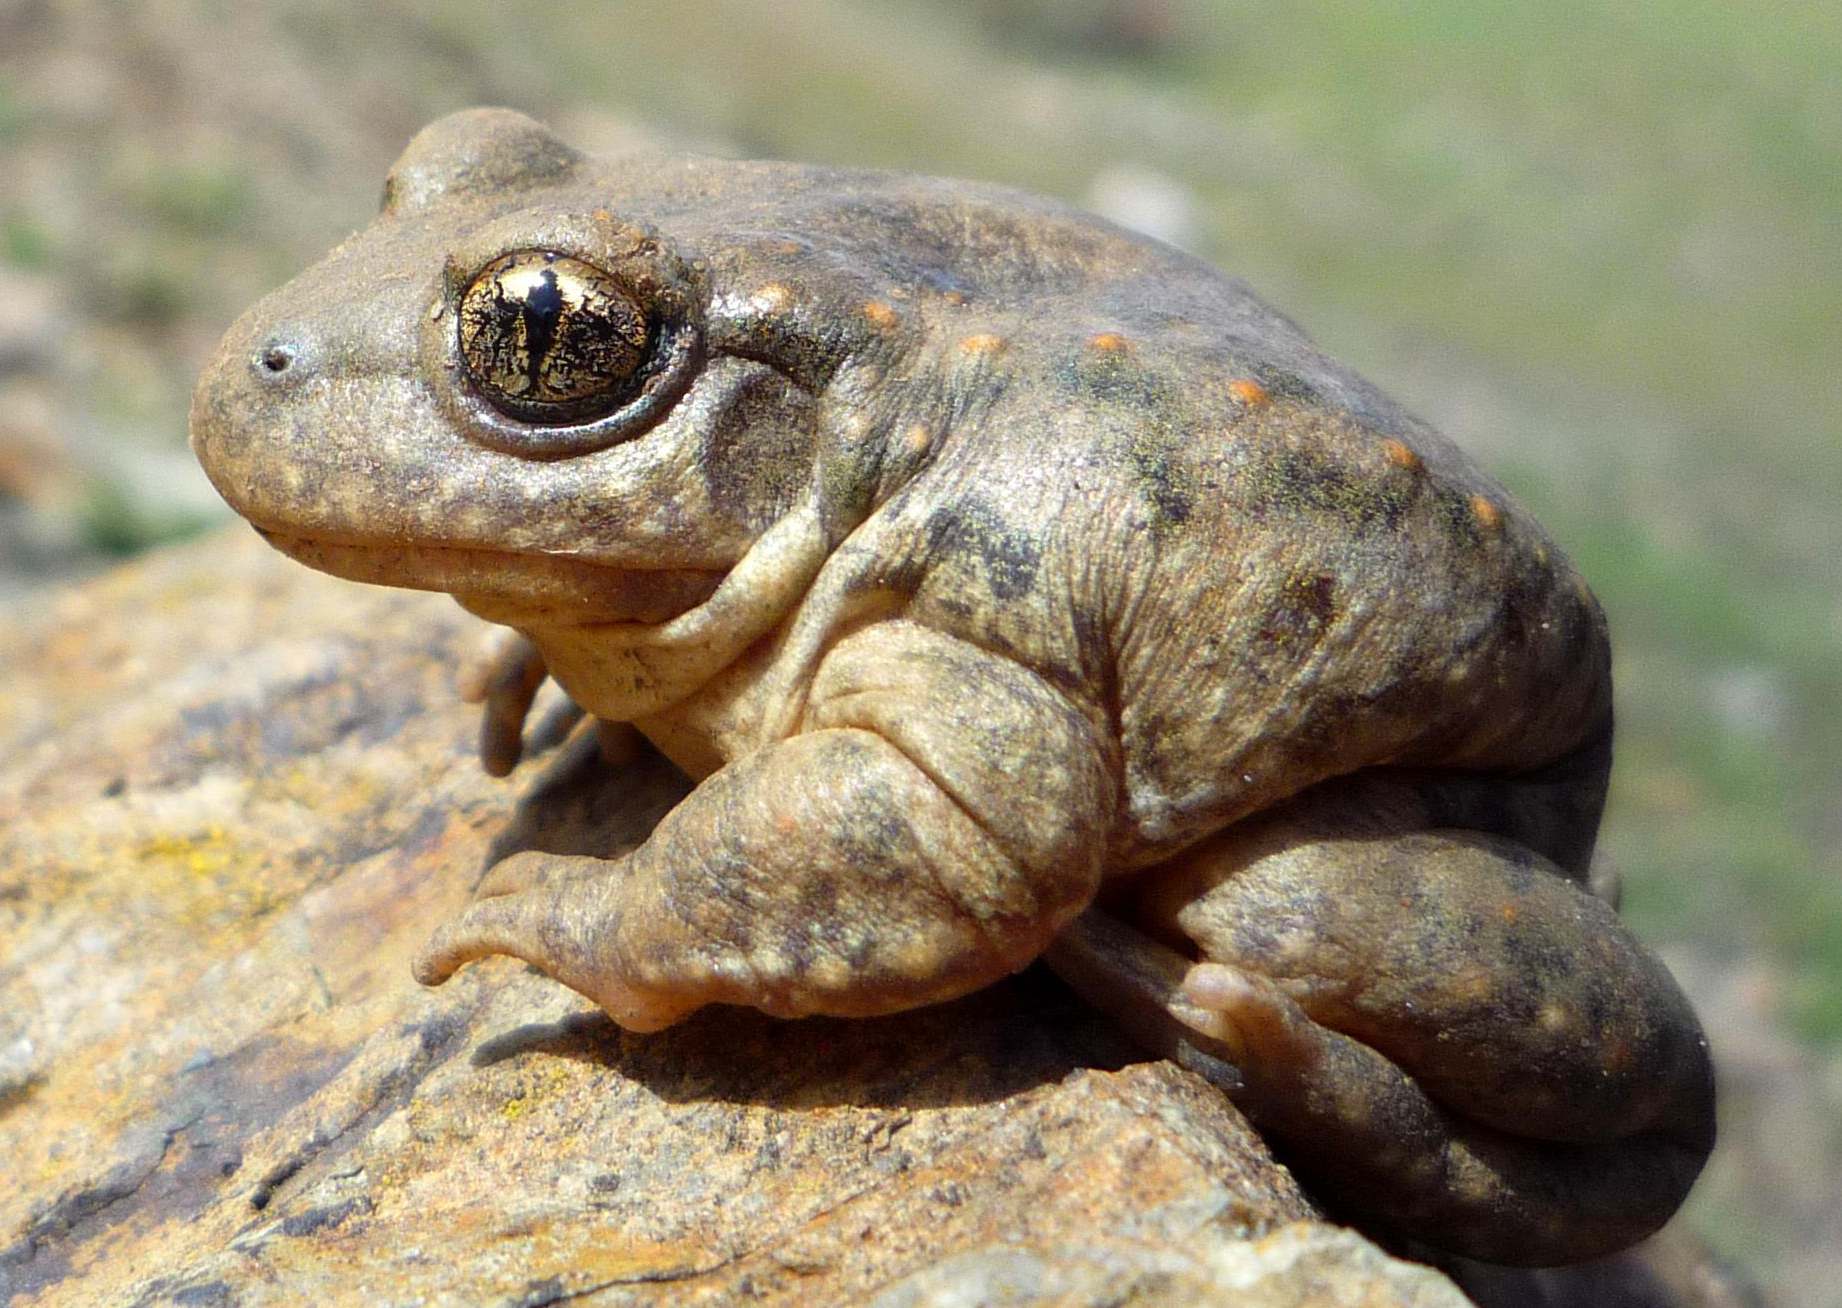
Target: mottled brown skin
(1015, 587)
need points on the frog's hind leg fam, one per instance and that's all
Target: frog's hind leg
(1448, 1037)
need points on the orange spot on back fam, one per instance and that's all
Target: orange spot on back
(955, 297)
(919, 437)
(880, 315)
(1488, 515)
(1110, 343)
(1401, 456)
(1249, 392)
(984, 343)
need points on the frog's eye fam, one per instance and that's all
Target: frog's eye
(550, 339)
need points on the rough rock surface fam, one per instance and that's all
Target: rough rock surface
(235, 796)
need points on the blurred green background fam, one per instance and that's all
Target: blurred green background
(1598, 241)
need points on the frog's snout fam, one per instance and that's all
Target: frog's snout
(246, 376)
(243, 392)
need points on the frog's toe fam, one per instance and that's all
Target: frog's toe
(562, 927)
(513, 924)
(1243, 1010)
(504, 678)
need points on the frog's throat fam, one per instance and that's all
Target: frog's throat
(619, 671)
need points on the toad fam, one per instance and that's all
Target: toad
(1012, 587)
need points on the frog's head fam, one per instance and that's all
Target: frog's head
(580, 391)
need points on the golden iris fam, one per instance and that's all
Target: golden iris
(551, 339)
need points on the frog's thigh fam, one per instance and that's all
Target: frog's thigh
(1375, 1003)
(1511, 994)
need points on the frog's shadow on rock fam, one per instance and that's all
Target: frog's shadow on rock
(1025, 1032)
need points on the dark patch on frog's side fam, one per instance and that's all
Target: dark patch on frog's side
(1296, 616)
(1281, 384)
(1286, 913)
(872, 850)
(1296, 483)
(1165, 489)
(1453, 510)
(1008, 556)
(965, 402)
(757, 455)
(1302, 610)
(1116, 377)
(848, 483)
(1527, 959)
(944, 283)
(1321, 730)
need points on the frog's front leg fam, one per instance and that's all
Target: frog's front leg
(882, 858)
(503, 678)
(1448, 1035)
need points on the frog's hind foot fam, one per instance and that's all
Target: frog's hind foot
(1364, 1133)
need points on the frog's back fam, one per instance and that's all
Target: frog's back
(1296, 578)
(1292, 578)
(1338, 598)
(1306, 582)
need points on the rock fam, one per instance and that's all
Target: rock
(1300, 1264)
(234, 797)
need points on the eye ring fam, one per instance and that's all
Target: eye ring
(565, 421)
(550, 339)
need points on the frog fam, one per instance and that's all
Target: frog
(1008, 586)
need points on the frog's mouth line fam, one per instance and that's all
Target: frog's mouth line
(516, 589)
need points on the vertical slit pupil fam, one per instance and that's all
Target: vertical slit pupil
(542, 310)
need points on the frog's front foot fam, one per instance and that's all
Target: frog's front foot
(504, 678)
(1447, 1036)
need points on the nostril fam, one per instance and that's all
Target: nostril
(276, 358)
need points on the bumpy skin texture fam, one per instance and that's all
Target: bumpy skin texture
(1015, 587)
